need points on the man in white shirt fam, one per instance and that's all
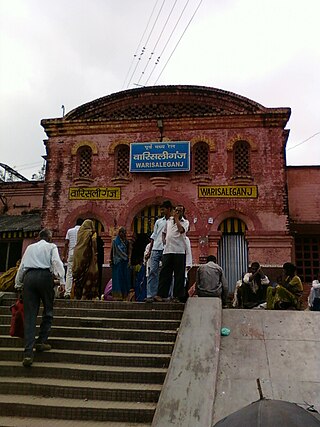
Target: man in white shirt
(39, 263)
(174, 256)
(156, 249)
(70, 243)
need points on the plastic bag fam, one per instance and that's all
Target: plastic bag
(17, 319)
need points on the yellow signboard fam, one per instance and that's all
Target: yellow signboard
(94, 193)
(231, 191)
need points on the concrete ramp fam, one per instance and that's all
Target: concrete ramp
(187, 395)
(209, 376)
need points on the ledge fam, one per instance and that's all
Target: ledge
(187, 395)
(160, 181)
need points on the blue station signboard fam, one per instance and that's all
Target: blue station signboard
(160, 156)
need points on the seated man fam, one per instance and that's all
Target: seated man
(314, 297)
(289, 293)
(253, 289)
(210, 280)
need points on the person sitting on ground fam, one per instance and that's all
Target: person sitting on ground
(211, 281)
(314, 296)
(252, 291)
(288, 294)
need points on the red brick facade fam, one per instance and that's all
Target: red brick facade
(213, 117)
(234, 141)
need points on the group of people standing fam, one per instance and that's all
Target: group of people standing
(168, 258)
(170, 246)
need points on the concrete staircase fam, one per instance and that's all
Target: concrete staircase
(107, 365)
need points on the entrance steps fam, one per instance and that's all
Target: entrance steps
(107, 365)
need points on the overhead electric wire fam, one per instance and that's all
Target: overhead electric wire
(156, 44)
(146, 43)
(174, 28)
(302, 142)
(136, 52)
(179, 41)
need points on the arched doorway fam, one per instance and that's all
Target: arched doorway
(143, 224)
(233, 250)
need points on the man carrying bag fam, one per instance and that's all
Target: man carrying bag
(40, 262)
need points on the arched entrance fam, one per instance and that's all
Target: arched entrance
(143, 224)
(233, 250)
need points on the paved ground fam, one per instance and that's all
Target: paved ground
(281, 348)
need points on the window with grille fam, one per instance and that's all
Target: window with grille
(201, 159)
(307, 257)
(123, 154)
(85, 162)
(241, 159)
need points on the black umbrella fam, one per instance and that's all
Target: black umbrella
(270, 413)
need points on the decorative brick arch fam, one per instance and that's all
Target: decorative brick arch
(79, 144)
(137, 203)
(240, 137)
(251, 222)
(87, 210)
(211, 144)
(116, 143)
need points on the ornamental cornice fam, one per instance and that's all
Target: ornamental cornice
(62, 127)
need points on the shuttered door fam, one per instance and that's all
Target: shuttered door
(233, 250)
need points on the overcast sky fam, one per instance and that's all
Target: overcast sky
(69, 52)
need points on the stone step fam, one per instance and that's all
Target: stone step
(84, 390)
(108, 305)
(83, 372)
(104, 322)
(73, 409)
(111, 313)
(44, 422)
(121, 334)
(106, 367)
(86, 344)
(91, 358)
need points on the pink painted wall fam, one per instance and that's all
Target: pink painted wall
(304, 193)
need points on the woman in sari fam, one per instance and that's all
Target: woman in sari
(121, 277)
(288, 294)
(7, 279)
(85, 265)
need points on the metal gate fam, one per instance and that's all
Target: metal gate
(233, 250)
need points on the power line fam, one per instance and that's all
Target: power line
(146, 43)
(179, 40)
(156, 44)
(136, 52)
(174, 28)
(302, 142)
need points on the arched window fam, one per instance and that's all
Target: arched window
(201, 159)
(85, 162)
(241, 159)
(122, 161)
